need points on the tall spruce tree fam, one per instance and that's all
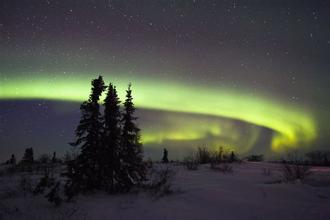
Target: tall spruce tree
(110, 157)
(132, 167)
(83, 171)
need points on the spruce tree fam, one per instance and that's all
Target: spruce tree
(232, 157)
(28, 157)
(165, 156)
(132, 167)
(111, 139)
(54, 160)
(83, 172)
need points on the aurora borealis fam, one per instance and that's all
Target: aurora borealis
(250, 76)
(292, 126)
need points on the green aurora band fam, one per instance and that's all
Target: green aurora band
(293, 127)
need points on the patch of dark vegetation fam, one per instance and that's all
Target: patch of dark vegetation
(160, 182)
(225, 168)
(255, 158)
(219, 160)
(45, 182)
(291, 172)
(318, 158)
(191, 163)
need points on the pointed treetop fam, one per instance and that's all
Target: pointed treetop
(97, 88)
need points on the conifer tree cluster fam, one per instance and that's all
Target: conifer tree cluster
(110, 156)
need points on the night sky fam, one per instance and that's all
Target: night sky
(250, 75)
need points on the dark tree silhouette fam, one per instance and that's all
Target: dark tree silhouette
(165, 156)
(12, 159)
(110, 154)
(232, 157)
(83, 173)
(28, 157)
(132, 167)
(54, 160)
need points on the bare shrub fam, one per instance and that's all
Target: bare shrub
(221, 155)
(160, 182)
(255, 158)
(191, 163)
(293, 172)
(293, 169)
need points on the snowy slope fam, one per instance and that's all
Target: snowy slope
(201, 194)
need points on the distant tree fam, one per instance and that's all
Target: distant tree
(26, 164)
(232, 157)
(132, 167)
(110, 153)
(28, 157)
(220, 154)
(83, 173)
(54, 160)
(203, 155)
(12, 159)
(165, 156)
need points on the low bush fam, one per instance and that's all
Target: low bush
(293, 172)
(191, 163)
(223, 167)
(255, 158)
(160, 182)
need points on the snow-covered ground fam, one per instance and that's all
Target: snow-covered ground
(247, 193)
